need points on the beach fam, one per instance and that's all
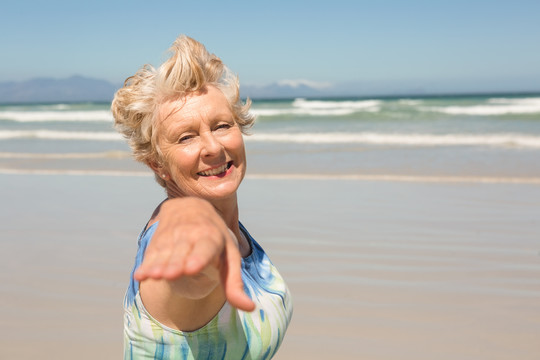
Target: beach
(406, 228)
(377, 269)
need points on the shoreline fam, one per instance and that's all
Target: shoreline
(296, 176)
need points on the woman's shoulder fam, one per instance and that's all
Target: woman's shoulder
(253, 244)
(154, 218)
(146, 234)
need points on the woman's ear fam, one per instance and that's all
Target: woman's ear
(159, 169)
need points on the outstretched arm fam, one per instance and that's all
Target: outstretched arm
(191, 242)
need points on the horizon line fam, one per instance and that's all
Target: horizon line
(403, 95)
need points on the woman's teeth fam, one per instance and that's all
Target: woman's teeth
(215, 171)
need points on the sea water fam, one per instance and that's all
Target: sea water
(446, 137)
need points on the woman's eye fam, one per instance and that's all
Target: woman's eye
(185, 138)
(223, 126)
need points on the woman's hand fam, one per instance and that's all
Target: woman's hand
(191, 236)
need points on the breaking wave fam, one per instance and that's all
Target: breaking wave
(60, 135)
(494, 106)
(321, 108)
(49, 116)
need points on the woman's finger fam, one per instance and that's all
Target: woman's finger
(231, 278)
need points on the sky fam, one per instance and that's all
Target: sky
(383, 45)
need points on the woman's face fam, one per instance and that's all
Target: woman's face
(202, 146)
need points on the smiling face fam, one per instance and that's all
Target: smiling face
(202, 146)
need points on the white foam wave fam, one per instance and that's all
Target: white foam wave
(57, 106)
(98, 155)
(310, 112)
(516, 101)
(322, 108)
(59, 135)
(497, 140)
(409, 102)
(494, 106)
(501, 140)
(41, 116)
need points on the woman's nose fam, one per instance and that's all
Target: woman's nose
(210, 145)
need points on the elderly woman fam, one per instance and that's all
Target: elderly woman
(201, 287)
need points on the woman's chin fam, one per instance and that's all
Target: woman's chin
(220, 187)
(213, 190)
(220, 193)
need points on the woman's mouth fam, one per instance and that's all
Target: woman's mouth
(216, 171)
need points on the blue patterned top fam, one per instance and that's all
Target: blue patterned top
(232, 334)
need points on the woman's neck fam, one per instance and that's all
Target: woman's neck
(228, 209)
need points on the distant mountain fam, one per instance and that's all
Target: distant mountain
(73, 89)
(80, 89)
(286, 89)
(83, 89)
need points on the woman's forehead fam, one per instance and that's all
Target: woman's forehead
(201, 105)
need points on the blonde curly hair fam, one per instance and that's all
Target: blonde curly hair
(189, 69)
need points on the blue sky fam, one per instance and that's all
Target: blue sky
(435, 45)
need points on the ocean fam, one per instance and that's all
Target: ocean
(443, 138)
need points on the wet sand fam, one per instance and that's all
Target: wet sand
(378, 269)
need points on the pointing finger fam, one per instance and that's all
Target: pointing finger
(232, 279)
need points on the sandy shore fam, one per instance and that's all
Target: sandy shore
(378, 270)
